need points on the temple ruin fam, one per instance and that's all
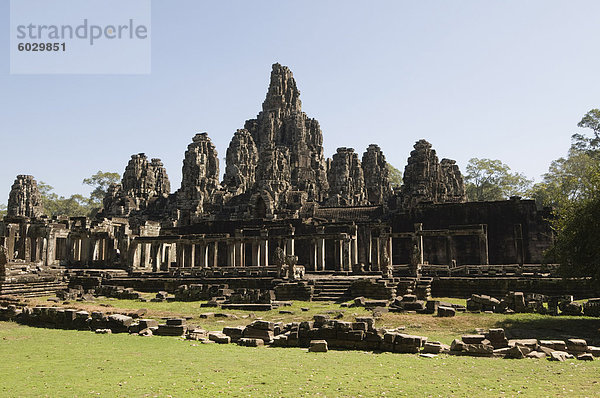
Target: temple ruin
(335, 216)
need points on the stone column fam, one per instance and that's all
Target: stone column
(483, 247)
(346, 249)
(290, 243)
(215, 254)
(320, 263)
(264, 248)
(339, 258)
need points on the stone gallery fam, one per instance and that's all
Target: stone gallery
(282, 212)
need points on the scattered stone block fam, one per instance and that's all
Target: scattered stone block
(576, 345)
(585, 357)
(445, 312)
(246, 342)
(219, 337)
(537, 355)
(473, 338)
(103, 331)
(318, 346)
(559, 356)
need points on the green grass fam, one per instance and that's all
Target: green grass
(58, 363)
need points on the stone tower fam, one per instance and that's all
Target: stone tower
(426, 180)
(200, 175)
(346, 179)
(283, 124)
(142, 182)
(241, 161)
(25, 199)
(375, 170)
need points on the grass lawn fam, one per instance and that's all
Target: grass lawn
(58, 363)
(48, 362)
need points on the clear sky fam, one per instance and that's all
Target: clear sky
(505, 80)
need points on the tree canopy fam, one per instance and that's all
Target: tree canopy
(77, 205)
(489, 179)
(395, 176)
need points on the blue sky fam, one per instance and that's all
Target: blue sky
(505, 80)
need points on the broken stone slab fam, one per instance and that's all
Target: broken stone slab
(473, 338)
(517, 352)
(560, 356)
(175, 322)
(457, 345)
(103, 331)
(317, 346)
(235, 333)
(219, 337)
(576, 345)
(585, 357)
(483, 350)
(435, 347)
(595, 351)
(196, 334)
(148, 323)
(445, 312)
(246, 342)
(556, 345)
(537, 355)
(427, 355)
(529, 343)
(119, 323)
(169, 330)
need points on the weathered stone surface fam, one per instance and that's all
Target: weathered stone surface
(376, 175)
(283, 124)
(346, 179)
(426, 180)
(200, 177)
(25, 199)
(446, 311)
(318, 346)
(241, 161)
(219, 337)
(143, 183)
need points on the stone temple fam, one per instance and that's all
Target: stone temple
(281, 203)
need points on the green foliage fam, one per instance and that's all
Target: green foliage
(569, 180)
(572, 187)
(77, 205)
(101, 181)
(394, 175)
(2, 210)
(590, 120)
(54, 205)
(577, 248)
(489, 179)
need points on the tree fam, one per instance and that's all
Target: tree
(394, 175)
(572, 187)
(3, 210)
(101, 181)
(582, 143)
(489, 179)
(54, 205)
(577, 247)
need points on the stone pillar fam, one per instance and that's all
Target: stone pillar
(320, 263)
(519, 248)
(231, 254)
(339, 258)
(264, 248)
(346, 250)
(255, 261)
(450, 250)
(179, 255)
(215, 254)
(375, 250)
(289, 250)
(483, 247)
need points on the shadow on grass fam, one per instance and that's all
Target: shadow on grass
(554, 328)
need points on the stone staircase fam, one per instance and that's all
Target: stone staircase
(335, 289)
(31, 289)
